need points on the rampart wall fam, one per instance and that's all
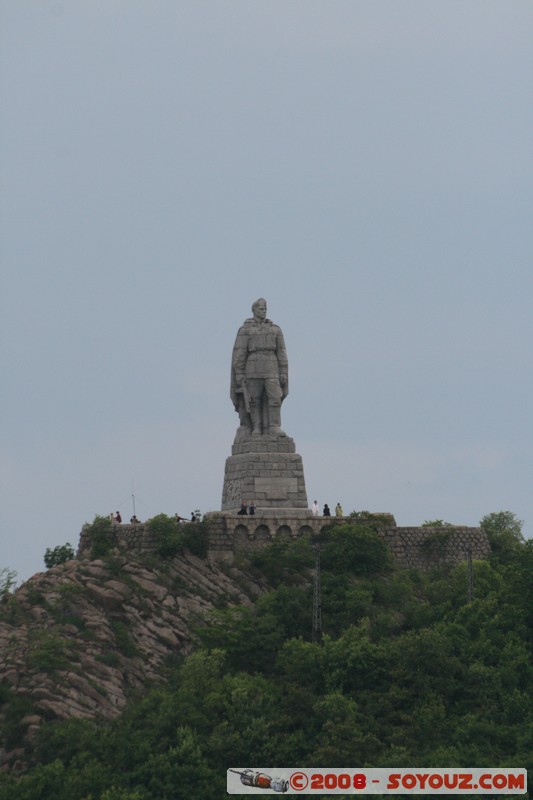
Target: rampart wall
(229, 533)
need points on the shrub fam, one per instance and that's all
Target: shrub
(283, 558)
(100, 533)
(170, 539)
(68, 592)
(15, 708)
(124, 642)
(48, 653)
(354, 549)
(436, 523)
(196, 538)
(8, 579)
(35, 597)
(504, 531)
(110, 658)
(60, 554)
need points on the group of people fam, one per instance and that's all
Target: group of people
(326, 510)
(195, 517)
(116, 517)
(245, 509)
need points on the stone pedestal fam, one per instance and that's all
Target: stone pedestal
(267, 470)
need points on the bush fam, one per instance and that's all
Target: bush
(60, 554)
(173, 537)
(436, 523)
(354, 549)
(100, 533)
(504, 531)
(48, 653)
(15, 708)
(124, 642)
(170, 539)
(8, 579)
(196, 538)
(283, 558)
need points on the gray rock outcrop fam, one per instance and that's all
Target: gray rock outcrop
(76, 641)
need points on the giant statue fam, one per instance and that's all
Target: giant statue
(259, 375)
(264, 469)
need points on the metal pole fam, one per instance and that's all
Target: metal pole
(470, 575)
(317, 603)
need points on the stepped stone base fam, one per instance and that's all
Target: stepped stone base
(267, 470)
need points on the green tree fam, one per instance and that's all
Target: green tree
(60, 554)
(504, 531)
(356, 549)
(343, 737)
(283, 559)
(120, 794)
(353, 662)
(449, 683)
(196, 537)
(179, 772)
(302, 663)
(291, 607)
(100, 533)
(250, 637)
(8, 579)
(169, 536)
(344, 602)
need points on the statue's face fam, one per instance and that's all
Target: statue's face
(260, 310)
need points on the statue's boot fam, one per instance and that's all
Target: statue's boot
(275, 421)
(255, 414)
(243, 432)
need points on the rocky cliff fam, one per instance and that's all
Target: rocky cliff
(81, 638)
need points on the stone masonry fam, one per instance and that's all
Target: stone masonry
(411, 547)
(267, 470)
(230, 533)
(264, 467)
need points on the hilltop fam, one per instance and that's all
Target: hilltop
(144, 675)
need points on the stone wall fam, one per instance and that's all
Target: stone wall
(421, 548)
(130, 537)
(230, 533)
(424, 548)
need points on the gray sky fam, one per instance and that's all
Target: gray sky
(364, 165)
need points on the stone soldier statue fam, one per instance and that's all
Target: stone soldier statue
(259, 374)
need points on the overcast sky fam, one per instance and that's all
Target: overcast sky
(365, 165)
